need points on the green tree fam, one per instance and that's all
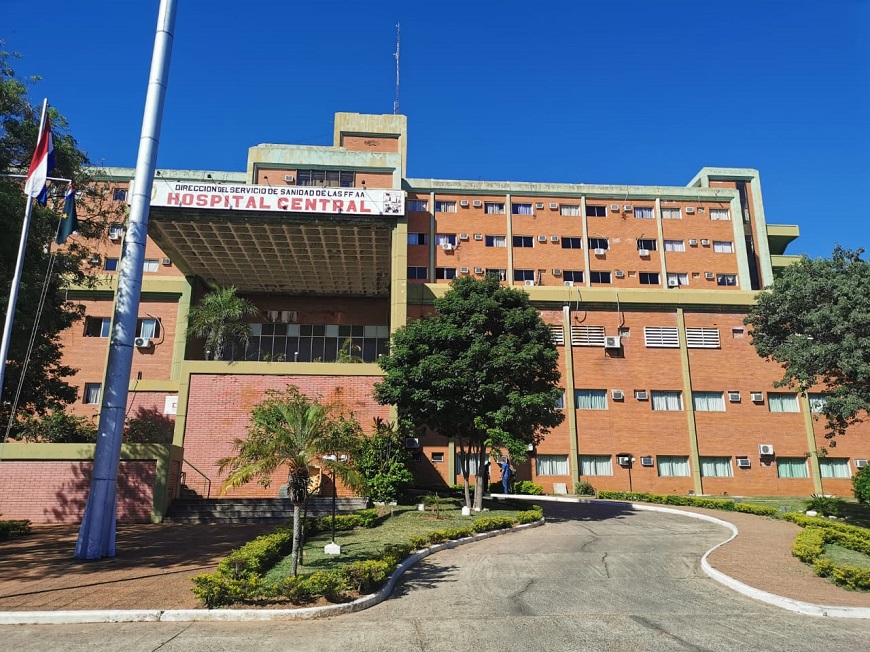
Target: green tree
(219, 318)
(49, 272)
(815, 322)
(483, 370)
(383, 463)
(291, 429)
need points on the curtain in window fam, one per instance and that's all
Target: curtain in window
(708, 401)
(591, 399)
(493, 208)
(834, 467)
(671, 214)
(817, 402)
(522, 209)
(782, 402)
(472, 465)
(596, 465)
(791, 467)
(442, 239)
(668, 401)
(570, 210)
(716, 467)
(551, 465)
(92, 393)
(645, 212)
(150, 265)
(719, 214)
(675, 245)
(722, 247)
(673, 466)
(149, 328)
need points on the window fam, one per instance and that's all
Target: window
(472, 463)
(720, 214)
(723, 247)
(92, 393)
(782, 402)
(708, 401)
(599, 277)
(97, 326)
(418, 205)
(672, 214)
(500, 274)
(119, 194)
(521, 209)
(595, 211)
(558, 335)
(675, 245)
(596, 465)
(418, 238)
(834, 467)
(571, 210)
(524, 275)
(572, 275)
(149, 328)
(716, 467)
(445, 206)
(590, 399)
(524, 241)
(572, 243)
(678, 278)
(496, 241)
(673, 466)
(791, 467)
(587, 336)
(644, 212)
(110, 264)
(151, 265)
(649, 278)
(702, 338)
(598, 243)
(560, 402)
(494, 207)
(817, 402)
(418, 273)
(646, 243)
(667, 401)
(445, 272)
(325, 178)
(437, 458)
(551, 465)
(726, 279)
(442, 239)
(661, 337)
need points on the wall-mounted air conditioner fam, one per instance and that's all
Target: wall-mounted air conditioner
(463, 236)
(734, 397)
(743, 463)
(166, 262)
(673, 283)
(116, 232)
(463, 203)
(701, 209)
(709, 276)
(557, 271)
(554, 238)
(689, 210)
(641, 395)
(412, 442)
(447, 246)
(860, 464)
(617, 394)
(542, 238)
(619, 273)
(478, 270)
(478, 236)
(539, 205)
(477, 203)
(756, 397)
(569, 284)
(529, 283)
(289, 178)
(612, 342)
(614, 208)
(765, 449)
(599, 251)
(643, 253)
(627, 208)
(693, 242)
(142, 342)
(554, 206)
(646, 460)
(463, 270)
(705, 243)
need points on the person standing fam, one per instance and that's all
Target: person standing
(505, 475)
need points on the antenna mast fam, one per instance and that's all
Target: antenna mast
(396, 102)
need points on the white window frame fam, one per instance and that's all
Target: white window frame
(835, 467)
(682, 278)
(497, 241)
(590, 399)
(445, 206)
(596, 465)
(675, 245)
(672, 213)
(666, 400)
(723, 247)
(521, 208)
(418, 205)
(551, 465)
(708, 401)
(726, 280)
(722, 214)
(151, 265)
(661, 337)
(665, 466)
(569, 210)
(798, 464)
(716, 467)
(493, 208)
(782, 402)
(645, 212)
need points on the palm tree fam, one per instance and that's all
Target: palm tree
(290, 428)
(220, 318)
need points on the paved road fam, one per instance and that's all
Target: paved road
(595, 578)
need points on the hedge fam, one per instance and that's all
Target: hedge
(13, 529)
(239, 576)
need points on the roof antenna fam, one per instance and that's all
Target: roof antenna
(396, 102)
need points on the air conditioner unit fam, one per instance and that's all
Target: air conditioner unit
(743, 463)
(612, 342)
(116, 232)
(641, 395)
(693, 242)
(166, 262)
(478, 236)
(673, 282)
(554, 206)
(142, 342)
(860, 464)
(447, 246)
(529, 283)
(756, 397)
(554, 238)
(701, 209)
(463, 236)
(569, 284)
(623, 460)
(619, 273)
(765, 449)
(646, 460)
(542, 238)
(614, 207)
(557, 271)
(539, 205)
(478, 270)
(617, 394)
(289, 178)
(643, 253)
(463, 203)
(627, 207)
(412, 442)
(705, 243)
(599, 251)
(689, 210)
(477, 203)
(463, 270)
(734, 397)
(709, 276)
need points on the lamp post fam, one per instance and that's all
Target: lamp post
(333, 548)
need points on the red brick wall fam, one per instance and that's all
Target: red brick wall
(57, 491)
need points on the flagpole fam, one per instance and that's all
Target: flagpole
(19, 267)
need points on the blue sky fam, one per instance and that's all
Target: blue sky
(621, 92)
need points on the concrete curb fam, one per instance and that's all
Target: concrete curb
(238, 615)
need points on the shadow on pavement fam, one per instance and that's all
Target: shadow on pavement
(558, 512)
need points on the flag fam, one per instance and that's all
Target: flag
(41, 165)
(69, 222)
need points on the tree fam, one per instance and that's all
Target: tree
(383, 462)
(219, 318)
(815, 322)
(290, 429)
(49, 271)
(483, 370)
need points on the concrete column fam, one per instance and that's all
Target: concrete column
(694, 461)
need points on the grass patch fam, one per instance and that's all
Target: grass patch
(845, 557)
(853, 511)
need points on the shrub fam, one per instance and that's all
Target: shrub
(13, 529)
(584, 488)
(528, 488)
(216, 590)
(758, 510)
(857, 579)
(809, 544)
(861, 485)
(367, 576)
(487, 523)
(57, 428)
(530, 515)
(825, 505)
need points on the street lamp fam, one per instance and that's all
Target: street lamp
(333, 548)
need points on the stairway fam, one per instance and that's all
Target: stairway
(253, 510)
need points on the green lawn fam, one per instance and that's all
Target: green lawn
(364, 543)
(854, 512)
(846, 557)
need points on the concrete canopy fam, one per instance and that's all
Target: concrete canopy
(326, 255)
